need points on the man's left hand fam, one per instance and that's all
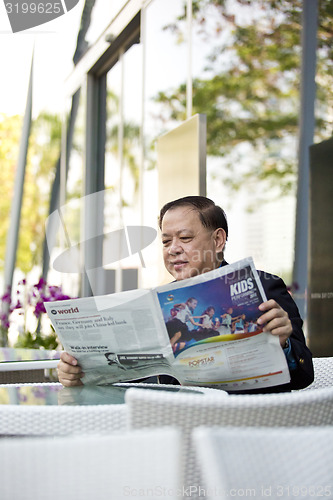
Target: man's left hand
(275, 320)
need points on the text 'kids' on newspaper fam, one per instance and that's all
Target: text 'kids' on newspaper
(203, 331)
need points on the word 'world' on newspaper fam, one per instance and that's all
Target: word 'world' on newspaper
(203, 331)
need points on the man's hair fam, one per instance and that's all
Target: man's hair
(191, 300)
(212, 216)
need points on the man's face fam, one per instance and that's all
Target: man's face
(189, 248)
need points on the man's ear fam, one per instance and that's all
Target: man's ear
(220, 239)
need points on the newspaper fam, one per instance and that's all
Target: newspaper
(201, 330)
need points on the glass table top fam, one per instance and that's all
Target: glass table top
(56, 394)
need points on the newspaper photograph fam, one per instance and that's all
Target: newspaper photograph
(203, 331)
(212, 326)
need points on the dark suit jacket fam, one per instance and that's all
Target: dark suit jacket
(276, 289)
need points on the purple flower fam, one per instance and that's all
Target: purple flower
(63, 297)
(54, 290)
(6, 297)
(22, 397)
(54, 389)
(4, 320)
(41, 284)
(18, 305)
(32, 297)
(39, 392)
(39, 309)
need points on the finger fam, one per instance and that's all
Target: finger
(70, 383)
(269, 304)
(275, 312)
(277, 328)
(275, 320)
(266, 318)
(67, 358)
(67, 368)
(281, 327)
(70, 379)
(68, 376)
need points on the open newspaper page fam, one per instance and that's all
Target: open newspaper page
(116, 337)
(211, 323)
(202, 331)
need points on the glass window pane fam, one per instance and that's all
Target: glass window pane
(165, 71)
(123, 150)
(102, 14)
(246, 93)
(69, 233)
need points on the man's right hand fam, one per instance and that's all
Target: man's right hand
(69, 371)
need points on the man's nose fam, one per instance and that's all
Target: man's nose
(175, 247)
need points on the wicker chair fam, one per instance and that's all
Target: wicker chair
(29, 376)
(132, 465)
(323, 373)
(53, 420)
(263, 462)
(156, 409)
(83, 410)
(27, 365)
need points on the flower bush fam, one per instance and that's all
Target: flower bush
(26, 312)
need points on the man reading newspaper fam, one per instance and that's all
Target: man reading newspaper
(194, 232)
